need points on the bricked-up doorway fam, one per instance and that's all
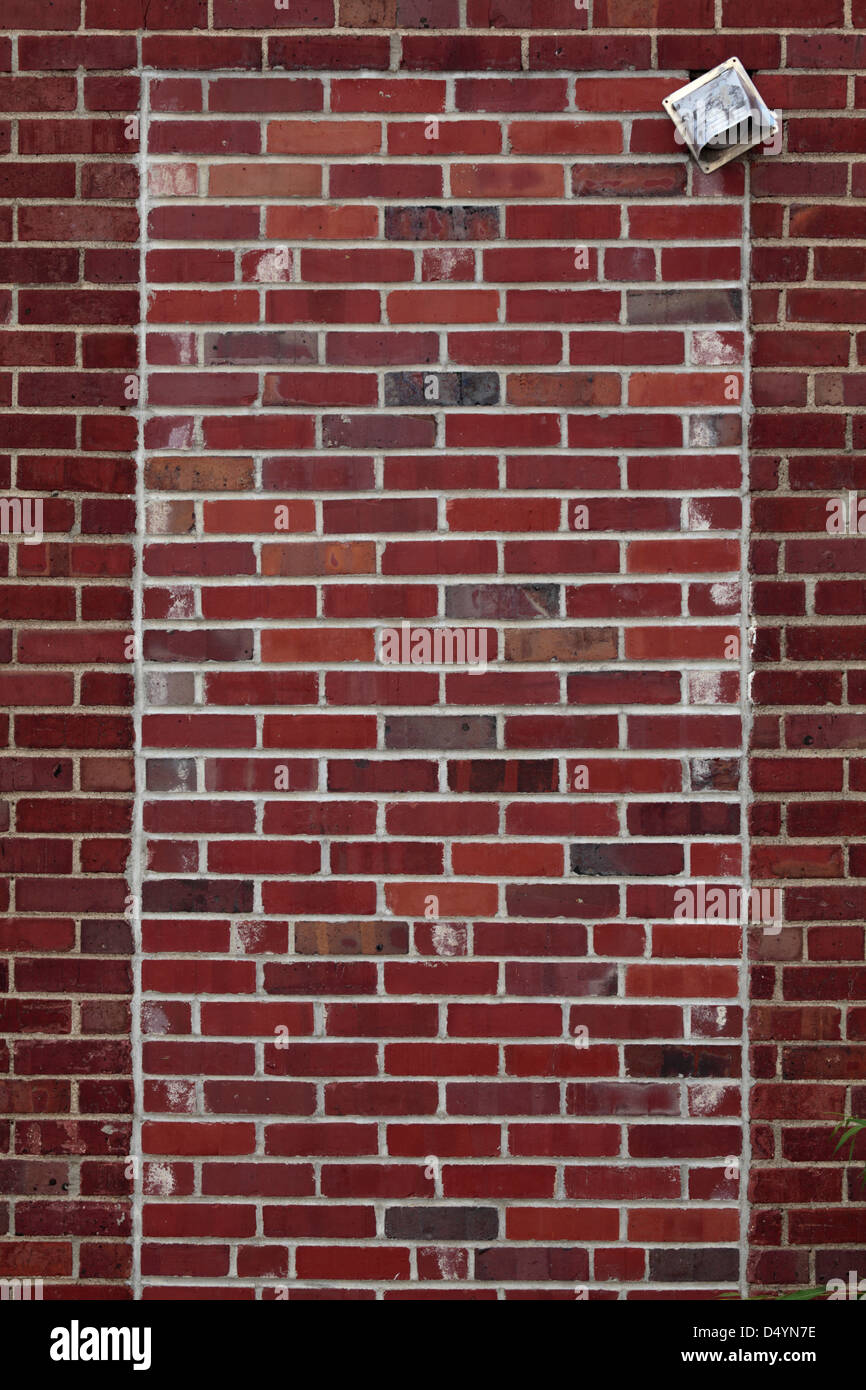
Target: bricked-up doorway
(412, 999)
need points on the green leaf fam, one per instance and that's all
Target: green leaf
(802, 1294)
(797, 1297)
(849, 1130)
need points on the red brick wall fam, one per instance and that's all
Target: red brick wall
(67, 338)
(427, 378)
(809, 983)
(269, 1166)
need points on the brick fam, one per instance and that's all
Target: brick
(331, 53)
(450, 137)
(201, 51)
(246, 94)
(452, 223)
(589, 52)
(425, 95)
(240, 14)
(507, 180)
(462, 53)
(333, 137)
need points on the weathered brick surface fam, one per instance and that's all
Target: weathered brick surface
(807, 457)
(393, 336)
(67, 342)
(438, 805)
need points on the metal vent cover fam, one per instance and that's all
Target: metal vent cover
(721, 115)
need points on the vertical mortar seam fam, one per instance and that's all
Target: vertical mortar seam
(746, 730)
(137, 844)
